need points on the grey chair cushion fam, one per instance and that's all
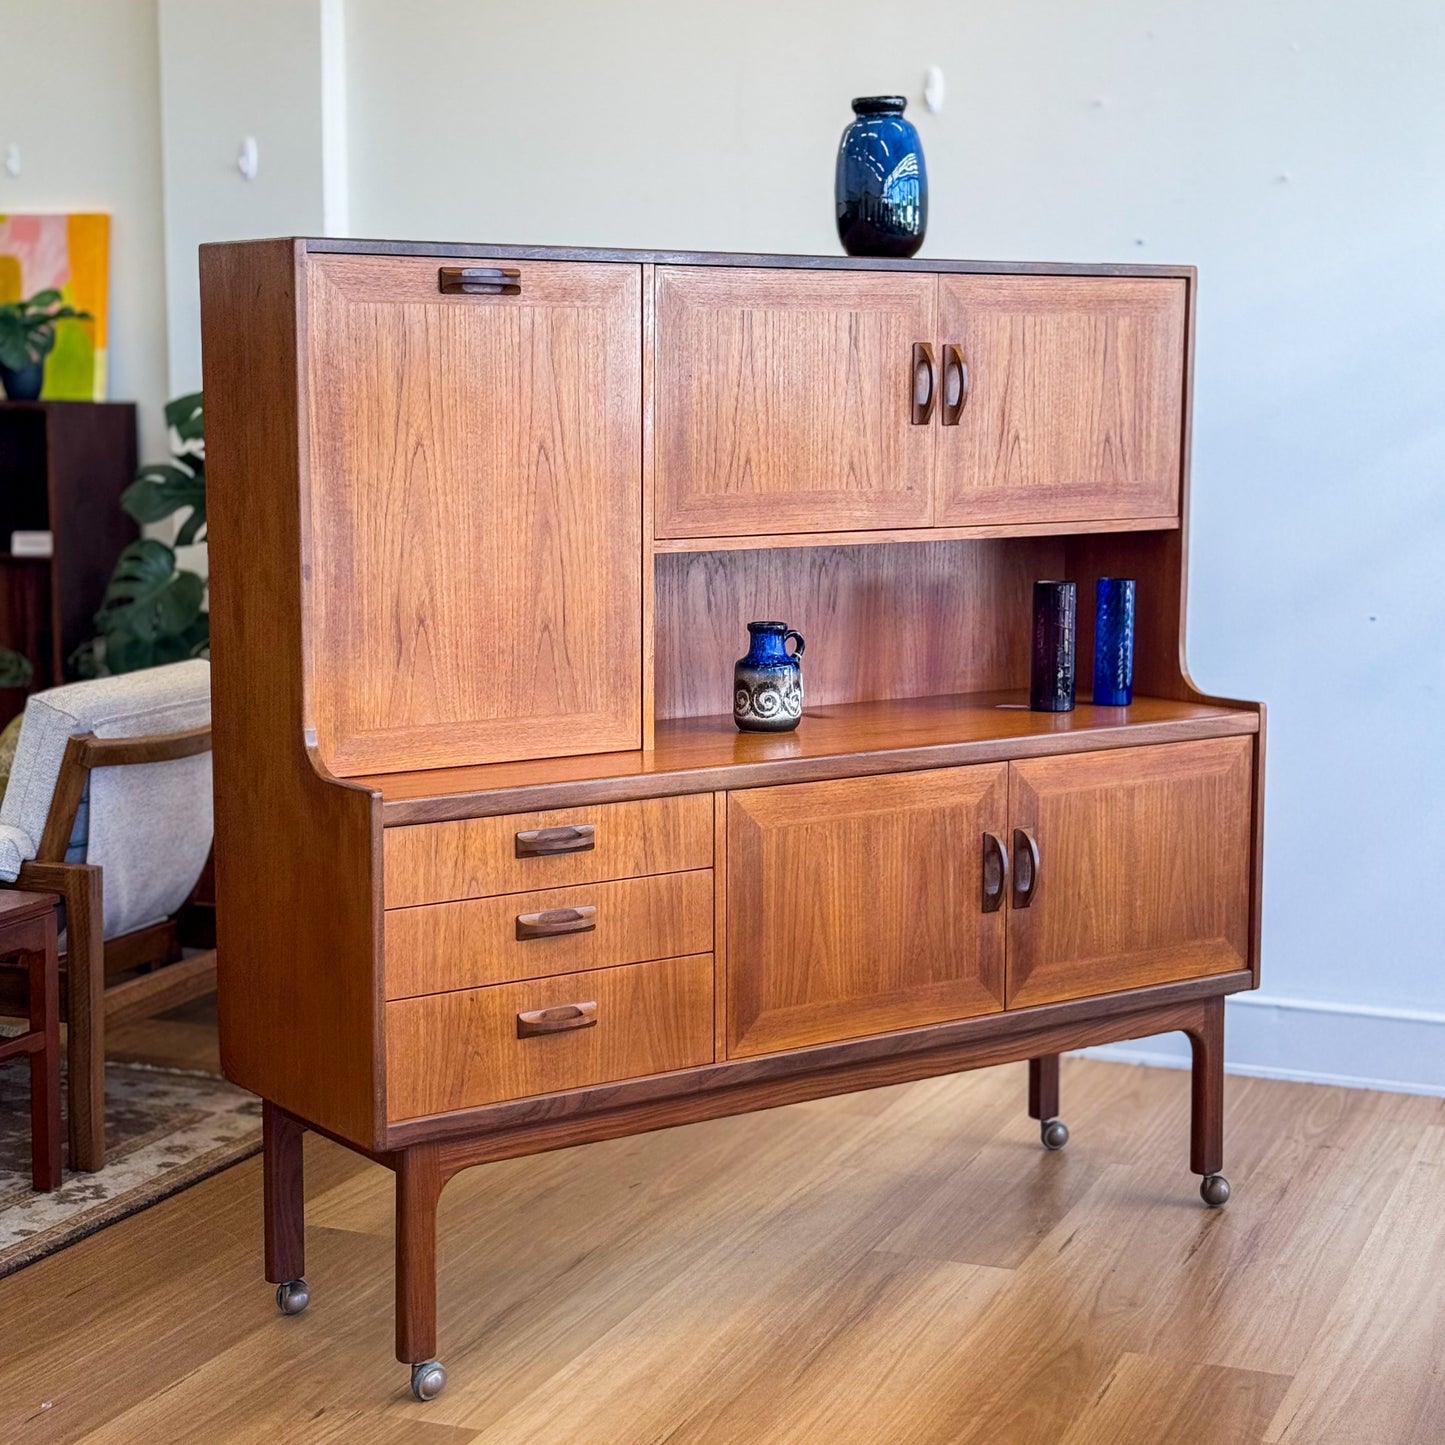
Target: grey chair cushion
(148, 826)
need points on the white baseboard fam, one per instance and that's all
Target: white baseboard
(1356, 1046)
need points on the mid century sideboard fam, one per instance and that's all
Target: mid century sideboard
(497, 874)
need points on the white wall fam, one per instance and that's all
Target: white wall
(1295, 151)
(78, 96)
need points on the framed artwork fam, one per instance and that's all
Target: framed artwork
(70, 253)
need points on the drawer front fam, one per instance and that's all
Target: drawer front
(459, 1050)
(479, 857)
(532, 935)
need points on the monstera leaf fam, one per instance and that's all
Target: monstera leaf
(165, 487)
(152, 612)
(15, 670)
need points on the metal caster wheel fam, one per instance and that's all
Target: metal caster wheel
(1053, 1133)
(428, 1379)
(293, 1296)
(1214, 1190)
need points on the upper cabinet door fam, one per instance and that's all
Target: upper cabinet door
(858, 906)
(785, 400)
(475, 511)
(1139, 871)
(1068, 402)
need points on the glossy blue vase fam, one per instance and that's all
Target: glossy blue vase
(768, 682)
(1114, 642)
(881, 188)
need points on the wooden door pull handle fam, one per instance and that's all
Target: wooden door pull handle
(1026, 867)
(923, 382)
(479, 281)
(558, 1020)
(995, 872)
(955, 385)
(543, 842)
(556, 921)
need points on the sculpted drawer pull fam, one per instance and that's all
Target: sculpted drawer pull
(556, 921)
(557, 1020)
(1026, 867)
(955, 385)
(995, 872)
(924, 383)
(543, 842)
(479, 281)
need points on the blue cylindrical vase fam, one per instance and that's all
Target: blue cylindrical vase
(881, 186)
(1051, 675)
(1114, 642)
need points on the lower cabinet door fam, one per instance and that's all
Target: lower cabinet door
(509, 1041)
(857, 907)
(1142, 871)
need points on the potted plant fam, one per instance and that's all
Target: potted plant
(27, 337)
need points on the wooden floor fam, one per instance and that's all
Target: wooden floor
(901, 1266)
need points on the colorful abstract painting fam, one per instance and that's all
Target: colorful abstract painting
(72, 255)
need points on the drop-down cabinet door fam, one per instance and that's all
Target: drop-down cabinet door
(792, 400)
(475, 514)
(863, 905)
(1130, 868)
(1061, 399)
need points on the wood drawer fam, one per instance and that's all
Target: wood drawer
(466, 945)
(458, 1050)
(478, 857)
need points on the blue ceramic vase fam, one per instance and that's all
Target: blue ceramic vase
(1114, 642)
(768, 682)
(881, 187)
(24, 384)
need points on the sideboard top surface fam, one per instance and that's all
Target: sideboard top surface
(333, 245)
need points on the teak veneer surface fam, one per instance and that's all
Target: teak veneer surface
(466, 944)
(852, 740)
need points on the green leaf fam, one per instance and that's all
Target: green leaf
(184, 417)
(163, 489)
(15, 670)
(42, 299)
(147, 598)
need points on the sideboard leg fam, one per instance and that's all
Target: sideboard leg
(1044, 1100)
(1206, 1131)
(418, 1188)
(285, 1207)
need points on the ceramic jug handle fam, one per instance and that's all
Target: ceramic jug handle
(797, 637)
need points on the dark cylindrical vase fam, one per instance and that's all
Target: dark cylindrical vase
(1114, 642)
(1051, 677)
(24, 384)
(881, 186)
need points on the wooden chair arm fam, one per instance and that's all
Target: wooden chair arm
(85, 751)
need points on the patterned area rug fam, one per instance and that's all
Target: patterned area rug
(165, 1130)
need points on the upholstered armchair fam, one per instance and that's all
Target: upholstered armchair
(109, 805)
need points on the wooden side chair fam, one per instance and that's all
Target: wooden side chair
(109, 805)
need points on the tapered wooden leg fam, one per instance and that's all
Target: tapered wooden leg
(418, 1187)
(45, 1064)
(1044, 1087)
(282, 1139)
(85, 1020)
(1206, 1124)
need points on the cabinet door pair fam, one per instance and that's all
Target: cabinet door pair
(827, 401)
(866, 905)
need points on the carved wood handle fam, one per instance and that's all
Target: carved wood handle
(955, 385)
(558, 1020)
(479, 281)
(556, 921)
(1026, 867)
(995, 872)
(923, 383)
(543, 842)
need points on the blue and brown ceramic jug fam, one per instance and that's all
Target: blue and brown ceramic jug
(768, 682)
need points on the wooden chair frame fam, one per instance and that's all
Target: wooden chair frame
(91, 1007)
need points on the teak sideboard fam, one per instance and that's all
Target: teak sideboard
(497, 874)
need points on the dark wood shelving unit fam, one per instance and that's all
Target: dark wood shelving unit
(63, 466)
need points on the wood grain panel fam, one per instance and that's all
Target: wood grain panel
(1075, 401)
(475, 515)
(465, 945)
(477, 857)
(783, 401)
(880, 622)
(1144, 868)
(298, 902)
(456, 1050)
(854, 907)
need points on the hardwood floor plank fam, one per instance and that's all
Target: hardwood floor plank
(1377, 1369)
